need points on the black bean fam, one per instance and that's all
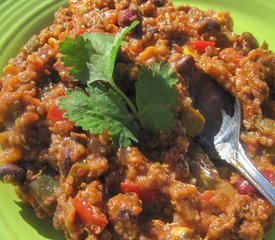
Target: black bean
(212, 26)
(248, 42)
(127, 17)
(158, 3)
(125, 213)
(185, 65)
(12, 172)
(65, 161)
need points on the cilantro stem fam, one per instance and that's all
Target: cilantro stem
(126, 99)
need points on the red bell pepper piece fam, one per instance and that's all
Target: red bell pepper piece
(205, 197)
(146, 195)
(55, 114)
(81, 32)
(200, 46)
(89, 215)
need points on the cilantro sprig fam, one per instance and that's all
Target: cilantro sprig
(102, 105)
(92, 58)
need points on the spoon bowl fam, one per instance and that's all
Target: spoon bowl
(220, 137)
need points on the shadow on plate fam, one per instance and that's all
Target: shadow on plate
(43, 227)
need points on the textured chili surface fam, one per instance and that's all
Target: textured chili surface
(166, 187)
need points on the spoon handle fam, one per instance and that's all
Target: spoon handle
(253, 175)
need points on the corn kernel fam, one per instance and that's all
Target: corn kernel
(10, 69)
(190, 51)
(181, 232)
(53, 43)
(10, 155)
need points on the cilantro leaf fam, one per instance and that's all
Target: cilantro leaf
(76, 55)
(92, 56)
(156, 97)
(98, 109)
(165, 70)
(102, 63)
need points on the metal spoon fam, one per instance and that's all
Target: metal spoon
(221, 134)
(230, 149)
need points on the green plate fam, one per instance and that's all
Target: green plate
(20, 19)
